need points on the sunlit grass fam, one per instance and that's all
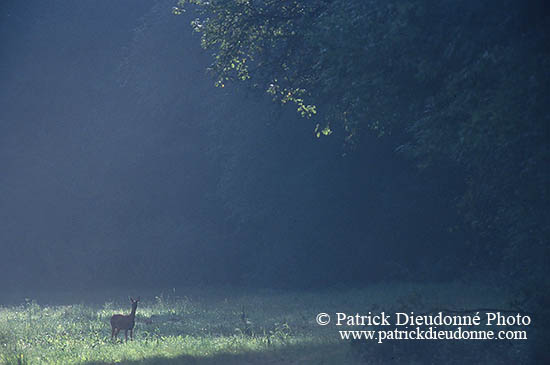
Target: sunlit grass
(204, 327)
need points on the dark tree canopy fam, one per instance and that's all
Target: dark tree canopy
(462, 86)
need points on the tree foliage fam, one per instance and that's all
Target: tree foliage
(320, 55)
(464, 83)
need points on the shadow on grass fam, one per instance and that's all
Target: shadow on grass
(293, 354)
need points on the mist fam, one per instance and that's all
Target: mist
(126, 171)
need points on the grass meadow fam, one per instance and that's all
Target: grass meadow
(211, 326)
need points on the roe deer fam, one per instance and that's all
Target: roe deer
(122, 322)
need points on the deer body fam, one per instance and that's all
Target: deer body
(124, 322)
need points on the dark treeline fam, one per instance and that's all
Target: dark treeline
(457, 89)
(411, 143)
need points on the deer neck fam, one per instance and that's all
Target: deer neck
(133, 312)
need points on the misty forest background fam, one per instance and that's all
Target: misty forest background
(408, 140)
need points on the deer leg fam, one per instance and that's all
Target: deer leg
(132, 334)
(126, 335)
(116, 330)
(112, 333)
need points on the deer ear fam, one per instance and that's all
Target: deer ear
(131, 299)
